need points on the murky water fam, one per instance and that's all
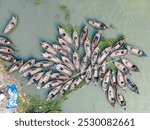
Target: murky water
(37, 23)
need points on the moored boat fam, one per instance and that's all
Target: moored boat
(5, 41)
(76, 61)
(75, 38)
(111, 95)
(15, 66)
(53, 83)
(75, 83)
(118, 45)
(84, 35)
(64, 45)
(97, 24)
(43, 64)
(119, 53)
(63, 69)
(8, 57)
(11, 25)
(106, 81)
(87, 48)
(60, 50)
(94, 56)
(120, 79)
(8, 50)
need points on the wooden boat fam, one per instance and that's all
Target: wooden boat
(84, 35)
(111, 95)
(8, 57)
(5, 41)
(97, 24)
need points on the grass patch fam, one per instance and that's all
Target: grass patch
(38, 2)
(65, 10)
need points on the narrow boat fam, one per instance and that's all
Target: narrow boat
(119, 53)
(87, 48)
(7, 57)
(113, 79)
(88, 76)
(121, 67)
(76, 61)
(120, 80)
(132, 86)
(94, 56)
(75, 83)
(44, 79)
(59, 76)
(63, 69)
(84, 64)
(51, 58)
(11, 25)
(32, 72)
(63, 33)
(136, 51)
(76, 40)
(130, 65)
(16, 66)
(8, 50)
(53, 83)
(68, 63)
(5, 41)
(53, 92)
(120, 99)
(60, 50)
(64, 45)
(29, 64)
(105, 53)
(111, 95)
(43, 64)
(96, 39)
(97, 24)
(102, 70)
(49, 48)
(106, 81)
(84, 35)
(35, 78)
(66, 87)
(118, 45)
(95, 74)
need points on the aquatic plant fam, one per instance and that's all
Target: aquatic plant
(38, 2)
(65, 10)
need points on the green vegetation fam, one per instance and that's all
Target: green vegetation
(112, 26)
(69, 28)
(38, 2)
(36, 105)
(64, 9)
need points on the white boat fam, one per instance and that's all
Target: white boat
(16, 66)
(88, 76)
(5, 41)
(120, 99)
(113, 79)
(94, 56)
(118, 45)
(97, 24)
(96, 40)
(63, 69)
(8, 50)
(64, 45)
(51, 58)
(84, 64)
(119, 53)
(59, 76)
(53, 92)
(66, 87)
(60, 50)
(120, 80)
(121, 67)
(111, 96)
(44, 79)
(130, 65)
(87, 48)
(75, 83)
(131, 85)
(75, 38)
(102, 70)
(49, 48)
(29, 64)
(95, 74)
(84, 35)
(68, 63)
(35, 78)
(105, 53)
(63, 33)
(106, 81)
(136, 51)
(43, 64)
(76, 61)
(8, 57)
(32, 72)
(53, 83)
(11, 25)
